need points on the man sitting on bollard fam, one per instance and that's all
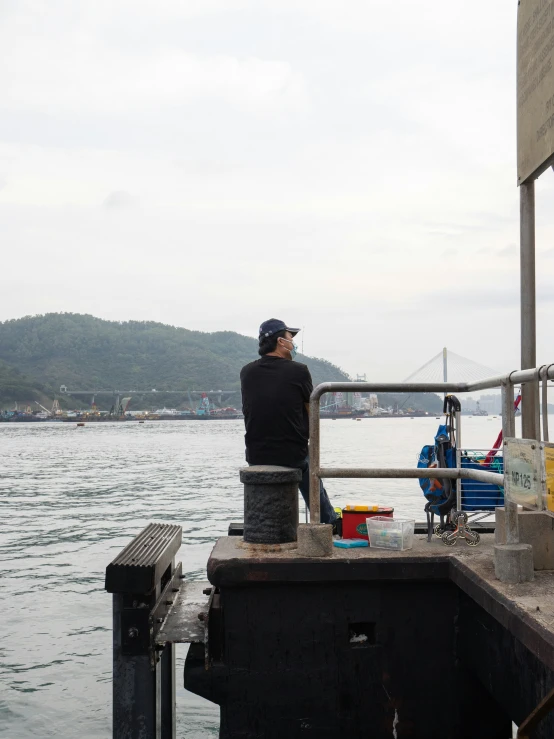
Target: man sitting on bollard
(275, 403)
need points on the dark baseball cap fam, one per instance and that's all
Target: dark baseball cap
(273, 326)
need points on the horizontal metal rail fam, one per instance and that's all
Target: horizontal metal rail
(451, 473)
(148, 392)
(513, 378)
(506, 382)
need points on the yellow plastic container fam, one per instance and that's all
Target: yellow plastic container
(373, 508)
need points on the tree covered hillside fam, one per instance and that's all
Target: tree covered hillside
(15, 387)
(40, 353)
(84, 353)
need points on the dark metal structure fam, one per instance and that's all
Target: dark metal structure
(423, 644)
(146, 584)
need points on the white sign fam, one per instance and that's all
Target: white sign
(524, 472)
(549, 477)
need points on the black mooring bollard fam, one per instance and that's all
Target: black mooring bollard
(270, 504)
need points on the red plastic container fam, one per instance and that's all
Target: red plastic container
(354, 519)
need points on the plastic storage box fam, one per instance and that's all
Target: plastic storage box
(391, 533)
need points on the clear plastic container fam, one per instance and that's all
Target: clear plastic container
(390, 533)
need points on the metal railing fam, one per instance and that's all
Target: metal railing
(505, 382)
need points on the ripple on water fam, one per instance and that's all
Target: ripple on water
(70, 500)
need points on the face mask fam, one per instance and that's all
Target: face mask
(294, 350)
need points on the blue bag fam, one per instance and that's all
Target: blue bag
(436, 491)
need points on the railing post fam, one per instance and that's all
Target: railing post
(315, 459)
(315, 539)
(545, 434)
(513, 562)
(508, 432)
(459, 460)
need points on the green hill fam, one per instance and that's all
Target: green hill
(38, 354)
(87, 353)
(16, 387)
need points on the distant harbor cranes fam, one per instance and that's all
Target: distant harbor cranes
(220, 396)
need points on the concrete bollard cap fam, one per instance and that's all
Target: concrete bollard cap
(267, 474)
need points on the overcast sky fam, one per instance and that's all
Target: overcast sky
(346, 166)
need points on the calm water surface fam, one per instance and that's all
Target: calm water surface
(71, 498)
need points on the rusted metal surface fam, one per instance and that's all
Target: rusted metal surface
(167, 598)
(183, 625)
(285, 547)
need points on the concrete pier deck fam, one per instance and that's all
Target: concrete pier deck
(470, 568)
(432, 614)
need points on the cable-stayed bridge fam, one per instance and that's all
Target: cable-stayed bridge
(447, 366)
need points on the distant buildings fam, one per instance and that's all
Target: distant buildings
(491, 403)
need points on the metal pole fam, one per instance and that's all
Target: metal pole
(315, 515)
(391, 473)
(545, 409)
(537, 402)
(529, 396)
(444, 368)
(168, 693)
(545, 435)
(136, 686)
(508, 431)
(168, 698)
(458, 417)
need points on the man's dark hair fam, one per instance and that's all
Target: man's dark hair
(268, 343)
